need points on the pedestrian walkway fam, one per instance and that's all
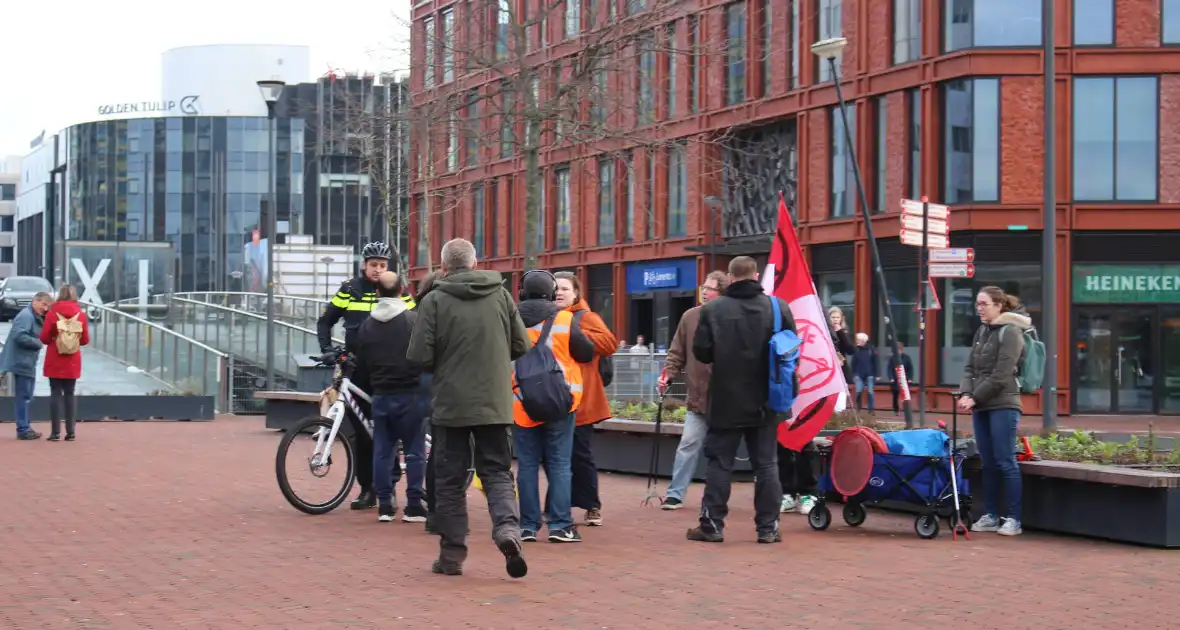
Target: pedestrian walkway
(194, 533)
(101, 375)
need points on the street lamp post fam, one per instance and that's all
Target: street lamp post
(1049, 227)
(829, 49)
(717, 207)
(327, 260)
(271, 90)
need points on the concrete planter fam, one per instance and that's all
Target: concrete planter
(129, 408)
(625, 446)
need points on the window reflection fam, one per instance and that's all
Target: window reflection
(971, 140)
(978, 23)
(1116, 124)
(958, 321)
(838, 289)
(903, 297)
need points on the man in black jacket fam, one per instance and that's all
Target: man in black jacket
(381, 346)
(734, 336)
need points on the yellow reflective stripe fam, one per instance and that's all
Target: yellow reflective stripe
(360, 306)
(557, 328)
(575, 387)
(410, 304)
(341, 300)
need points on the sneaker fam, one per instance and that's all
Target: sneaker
(594, 518)
(513, 559)
(672, 503)
(385, 513)
(446, 568)
(53, 437)
(29, 435)
(700, 534)
(567, 535)
(69, 437)
(366, 500)
(414, 514)
(789, 504)
(770, 538)
(987, 523)
(806, 502)
(1011, 527)
(528, 535)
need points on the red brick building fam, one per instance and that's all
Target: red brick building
(947, 102)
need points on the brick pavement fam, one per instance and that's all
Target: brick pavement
(181, 525)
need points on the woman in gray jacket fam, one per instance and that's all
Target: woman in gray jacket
(992, 395)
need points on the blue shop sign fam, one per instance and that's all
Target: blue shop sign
(663, 275)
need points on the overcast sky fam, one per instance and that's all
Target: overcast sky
(60, 59)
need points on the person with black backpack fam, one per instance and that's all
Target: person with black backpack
(734, 336)
(547, 383)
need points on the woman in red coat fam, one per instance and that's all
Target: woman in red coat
(64, 333)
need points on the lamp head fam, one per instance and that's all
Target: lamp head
(829, 48)
(271, 90)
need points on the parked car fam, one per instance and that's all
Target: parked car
(16, 292)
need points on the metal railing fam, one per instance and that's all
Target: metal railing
(180, 363)
(293, 309)
(636, 378)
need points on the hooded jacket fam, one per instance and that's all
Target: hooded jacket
(595, 406)
(23, 346)
(682, 361)
(468, 334)
(63, 366)
(382, 342)
(990, 375)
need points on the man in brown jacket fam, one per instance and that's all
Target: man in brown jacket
(696, 375)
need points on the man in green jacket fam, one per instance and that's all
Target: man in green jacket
(468, 334)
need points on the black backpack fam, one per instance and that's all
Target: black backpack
(541, 387)
(606, 365)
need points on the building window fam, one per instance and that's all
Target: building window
(477, 215)
(493, 204)
(843, 184)
(914, 98)
(794, 43)
(507, 121)
(428, 39)
(563, 207)
(1093, 22)
(452, 142)
(903, 297)
(882, 147)
(971, 140)
(598, 97)
(650, 224)
(1116, 130)
(646, 78)
(677, 190)
(7, 223)
(423, 225)
(448, 45)
(767, 45)
(629, 219)
(606, 201)
(473, 128)
(694, 63)
(573, 18)
(1170, 21)
(957, 319)
(670, 85)
(735, 53)
(7, 192)
(503, 17)
(831, 25)
(907, 31)
(982, 23)
(510, 183)
(543, 211)
(837, 289)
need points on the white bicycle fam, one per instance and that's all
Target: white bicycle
(328, 438)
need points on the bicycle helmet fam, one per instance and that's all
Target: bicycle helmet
(376, 249)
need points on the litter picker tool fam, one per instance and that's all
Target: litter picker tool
(654, 467)
(958, 524)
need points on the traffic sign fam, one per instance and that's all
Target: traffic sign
(914, 237)
(933, 210)
(952, 255)
(932, 301)
(951, 270)
(933, 226)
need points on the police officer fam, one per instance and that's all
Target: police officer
(353, 302)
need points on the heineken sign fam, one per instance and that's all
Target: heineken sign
(1126, 284)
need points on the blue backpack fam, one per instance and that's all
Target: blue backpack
(541, 387)
(784, 358)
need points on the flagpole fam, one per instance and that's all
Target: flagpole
(829, 49)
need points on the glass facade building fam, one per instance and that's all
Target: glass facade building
(199, 183)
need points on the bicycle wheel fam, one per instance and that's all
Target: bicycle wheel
(303, 434)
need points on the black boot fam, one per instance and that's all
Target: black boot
(366, 500)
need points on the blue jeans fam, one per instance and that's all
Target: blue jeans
(692, 440)
(865, 384)
(22, 399)
(553, 441)
(398, 418)
(995, 437)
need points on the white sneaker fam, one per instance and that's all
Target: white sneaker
(986, 523)
(788, 505)
(806, 502)
(1010, 527)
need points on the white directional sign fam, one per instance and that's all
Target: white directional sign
(914, 237)
(933, 226)
(933, 210)
(953, 254)
(951, 270)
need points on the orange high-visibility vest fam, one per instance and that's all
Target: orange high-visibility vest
(559, 343)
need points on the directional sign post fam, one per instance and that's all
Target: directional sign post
(951, 270)
(953, 255)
